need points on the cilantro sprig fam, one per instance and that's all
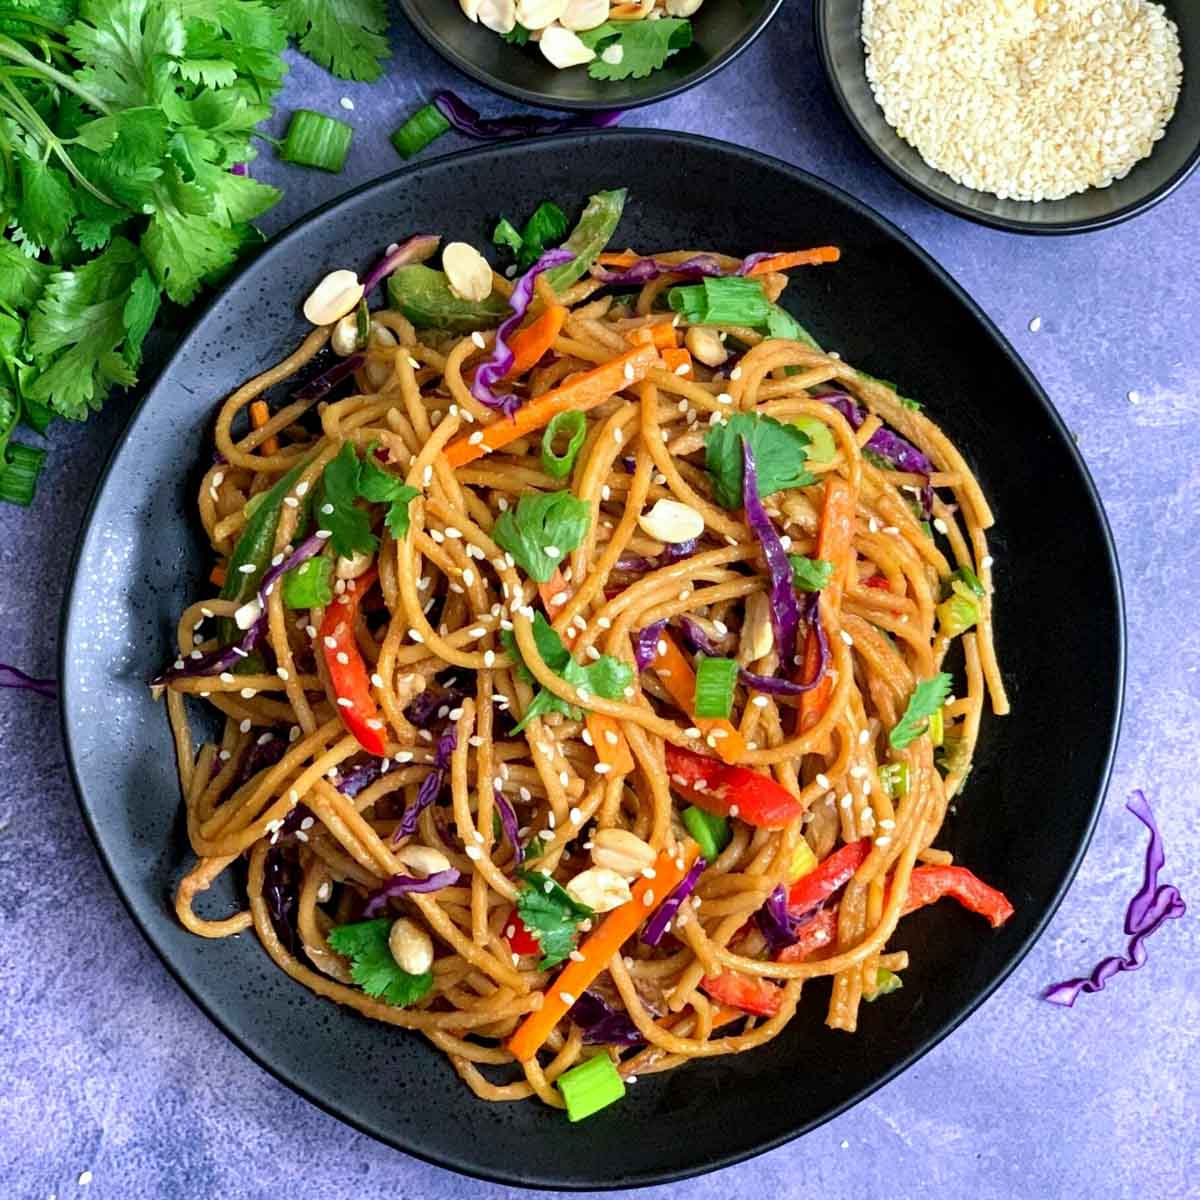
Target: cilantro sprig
(347, 479)
(542, 531)
(547, 227)
(928, 697)
(607, 677)
(551, 914)
(372, 966)
(347, 37)
(779, 453)
(632, 49)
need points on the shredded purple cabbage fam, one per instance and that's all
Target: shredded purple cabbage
(602, 1024)
(785, 608)
(752, 260)
(656, 927)
(492, 370)
(402, 885)
(226, 657)
(508, 822)
(281, 891)
(240, 169)
(774, 921)
(264, 752)
(323, 384)
(12, 677)
(696, 637)
(490, 129)
(415, 250)
(887, 444)
(645, 644)
(360, 777)
(673, 553)
(424, 709)
(647, 269)
(431, 785)
(1153, 905)
(701, 643)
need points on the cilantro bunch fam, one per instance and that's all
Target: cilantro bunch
(123, 124)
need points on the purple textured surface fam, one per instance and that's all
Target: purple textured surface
(107, 1068)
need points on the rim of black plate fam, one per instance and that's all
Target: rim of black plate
(537, 99)
(981, 216)
(280, 246)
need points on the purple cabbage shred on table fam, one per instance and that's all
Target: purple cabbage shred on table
(1153, 906)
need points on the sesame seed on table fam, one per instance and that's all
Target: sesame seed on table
(113, 1084)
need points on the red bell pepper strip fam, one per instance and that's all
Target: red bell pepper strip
(879, 582)
(750, 993)
(721, 788)
(350, 680)
(517, 934)
(929, 884)
(833, 873)
(813, 936)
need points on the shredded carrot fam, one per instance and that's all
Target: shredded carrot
(581, 393)
(615, 753)
(835, 545)
(217, 575)
(662, 334)
(675, 673)
(528, 345)
(260, 414)
(724, 1015)
(626, 258)
(796, 258)
(597, 952)
(674, 359)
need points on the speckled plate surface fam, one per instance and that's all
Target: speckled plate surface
(1028, 810)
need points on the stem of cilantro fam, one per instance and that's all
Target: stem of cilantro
(18, 54)
(23, 14)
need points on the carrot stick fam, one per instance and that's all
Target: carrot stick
(612, 750)
(529, 344)
(796, 258)
(581, 393)
(217, 575)
(676, 358)
(597, 952)
(835, 538)
(260, 414)
(675, 673)
(658, 333)
(626, 258)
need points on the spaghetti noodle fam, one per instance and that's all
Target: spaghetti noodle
(465, 763)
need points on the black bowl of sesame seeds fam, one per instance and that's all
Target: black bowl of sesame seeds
(1052, 116)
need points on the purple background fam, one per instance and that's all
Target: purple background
(105, 1066)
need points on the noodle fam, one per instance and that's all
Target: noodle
(440, 617)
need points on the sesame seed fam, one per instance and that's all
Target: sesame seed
(474, 853)
(733, 809)
(864, 737)
(986, 561)
(602, 768)
(939, 525)
(347, 103)
(247, 693)
(846, 801)
(244, 726)
(475, 438)
(415, 634)
(324, 534)
(822, 781)
(882, 841)
(628, 372)
(247, 568)
(563, 778)
(282, 673)
(760, 702)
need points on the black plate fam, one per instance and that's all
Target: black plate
(1175, 157)
(722, 29)
(1023, 823)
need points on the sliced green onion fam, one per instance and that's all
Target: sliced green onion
(968, 577)
(362, 325)
(19, 474)
(959, 612)
(781, 324)
(893, 778)
(715, 680)
(937, 727)
(927, 530)
(315, 140)
(810, 574)
(309, 585)
(424, 126)
(725, 301)
(711, 833)
(885, 981)
(573, 426)
(591, 1086)
(822, 447)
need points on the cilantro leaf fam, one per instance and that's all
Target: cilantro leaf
(518, 35)
(810, 574)
(138, 315)
(542, 531)
(779, 452)
(79, 326)
(349, 525)
(606, 676)
(372, 966)
(22, 278)
(506, 234)
(46, 205)
(551, 914)
(928, 696)
(644, 46)
(382, 487)
(547, 226)
(344, 36)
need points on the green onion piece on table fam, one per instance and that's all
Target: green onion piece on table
(426, 125)
(19, 473)
(315, 140)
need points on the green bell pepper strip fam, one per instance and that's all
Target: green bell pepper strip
(423, 295)
(254, 548)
